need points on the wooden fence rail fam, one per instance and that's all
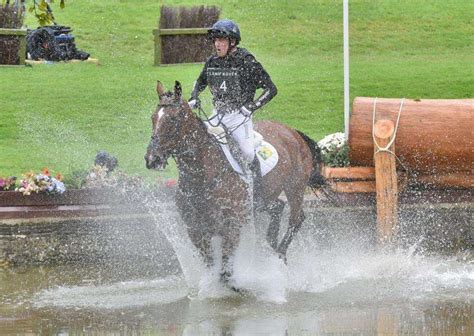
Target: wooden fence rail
(181, 36)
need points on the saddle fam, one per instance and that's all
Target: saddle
(266, 153)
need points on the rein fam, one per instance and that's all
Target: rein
(203, 116)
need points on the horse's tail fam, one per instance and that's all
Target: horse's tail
(315, 179)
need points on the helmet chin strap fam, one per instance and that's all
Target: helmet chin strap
(232, 46)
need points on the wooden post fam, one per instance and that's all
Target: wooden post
(156, 33)
(387, 322)
(385, 181)
(22, 50)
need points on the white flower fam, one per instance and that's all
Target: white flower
(58, 186)
(332, 141)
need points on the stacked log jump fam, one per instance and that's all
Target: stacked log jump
(395, 142)
(182, 34)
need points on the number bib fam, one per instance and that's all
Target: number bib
(224, 84)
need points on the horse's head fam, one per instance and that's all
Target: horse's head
(168, 127)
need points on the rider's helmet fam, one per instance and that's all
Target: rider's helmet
(224, 28)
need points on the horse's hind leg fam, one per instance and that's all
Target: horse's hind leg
(275, 210)
(297, 217)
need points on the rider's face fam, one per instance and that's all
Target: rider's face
(222, 46)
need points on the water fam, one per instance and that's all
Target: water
(322, 291)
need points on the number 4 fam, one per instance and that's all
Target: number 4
(223, 87)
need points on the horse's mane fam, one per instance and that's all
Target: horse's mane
(202, 124)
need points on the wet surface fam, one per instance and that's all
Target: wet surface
(326, 294)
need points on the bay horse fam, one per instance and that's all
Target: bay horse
(211, 197)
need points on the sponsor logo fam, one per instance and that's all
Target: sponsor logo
(264, 152)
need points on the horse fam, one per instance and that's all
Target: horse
(211, 197)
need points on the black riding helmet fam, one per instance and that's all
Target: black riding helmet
(224, 28)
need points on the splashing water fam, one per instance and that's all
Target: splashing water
(191, 264)
(260, 273)
(116, 295)
(381, 275)
(335, 275)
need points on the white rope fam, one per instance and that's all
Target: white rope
(390, 143)
(386, 148)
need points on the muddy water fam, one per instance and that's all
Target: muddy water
(343, 287)
(325, 293)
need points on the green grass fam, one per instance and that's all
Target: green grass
(60, 115)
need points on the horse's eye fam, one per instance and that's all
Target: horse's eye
(154, 137)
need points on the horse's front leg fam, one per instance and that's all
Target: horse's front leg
(198, 231)
(235, 214)
(230, 240)
(202, 242)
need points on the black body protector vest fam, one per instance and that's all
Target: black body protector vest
(224, 84)
(233, 81)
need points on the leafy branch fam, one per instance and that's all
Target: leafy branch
(40, 8)
(43, 12)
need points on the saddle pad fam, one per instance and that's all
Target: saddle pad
(266, 154)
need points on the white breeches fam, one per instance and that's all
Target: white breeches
(241, 129)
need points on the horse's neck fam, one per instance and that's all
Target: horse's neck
(203, 159)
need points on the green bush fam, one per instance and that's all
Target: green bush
(336, 156)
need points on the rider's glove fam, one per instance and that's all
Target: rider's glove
(245, 111)
(194, 102)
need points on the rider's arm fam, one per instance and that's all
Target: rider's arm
(262, 81)
(200, 84)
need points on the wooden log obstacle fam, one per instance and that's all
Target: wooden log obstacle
(434, 136)
(182, 34)
(433, 141)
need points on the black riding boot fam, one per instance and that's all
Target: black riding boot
(257, 184)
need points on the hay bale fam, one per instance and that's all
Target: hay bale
(187, 48)
(11, 17)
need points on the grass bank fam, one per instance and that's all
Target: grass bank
(60, 115)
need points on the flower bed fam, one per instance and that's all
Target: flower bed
(334, 150)
(34, 183)
(100, 192)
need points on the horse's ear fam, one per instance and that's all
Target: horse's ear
(160, 89)
(177, 90)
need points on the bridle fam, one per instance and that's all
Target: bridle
(154, 138)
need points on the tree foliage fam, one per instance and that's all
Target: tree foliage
(43, 12)
(40, 8)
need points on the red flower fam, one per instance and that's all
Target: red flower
(170, 183)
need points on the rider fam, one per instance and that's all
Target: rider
(233, 76)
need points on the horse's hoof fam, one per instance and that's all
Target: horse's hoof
(225, 277)
(240, 291)
(283, 257)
